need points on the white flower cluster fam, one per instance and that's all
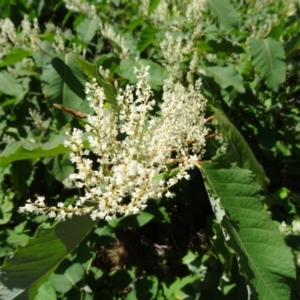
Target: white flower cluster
(81, 7)
(141, 155)
(109, 32)
(28, 36)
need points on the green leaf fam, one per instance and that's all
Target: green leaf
(63, 83)
(42, 255)
(147, 38)
(226, 76)
(65, 282)
(27, 150)
(147, 287)
(293, 45)
(15, 55)
(193, 262)
(87, 28)
(269, 61)
(46, 292)
(227, 15)
(91, 71)
(182, 288)
(60, 167)
(21, 176)
(6, 206)
(263, 257)
(11, 86)
(238, 150)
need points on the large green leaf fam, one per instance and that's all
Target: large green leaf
(264, 259)
(27, 150)
(91, 71)
(63, 83)
(226, 76)
(238, 150)
(269, 61)
(87, 29)
(227, 15)
(41, 256)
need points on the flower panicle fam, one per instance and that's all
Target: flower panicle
(127, 168)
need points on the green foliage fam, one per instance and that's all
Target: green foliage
(63, 83)
(218, 235)
(227, 15)
(92, 71)
(226, 76)
(239, 210)
(41, 256)
(27, 150)
(238, 150)
(268, 59)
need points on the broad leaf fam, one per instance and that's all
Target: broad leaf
(269, 61)
(41, 256)
(11, 86)
(227, 15)
(87, 29)
(63, 83)
(226, 76)
(238, 150)
(249, 230)
(27, 150)
(91, 71)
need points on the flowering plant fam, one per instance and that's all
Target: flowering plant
(135, 150)
(161, 76)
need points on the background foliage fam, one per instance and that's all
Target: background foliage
(218, 238)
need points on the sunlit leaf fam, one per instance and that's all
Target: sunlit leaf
(249, 230)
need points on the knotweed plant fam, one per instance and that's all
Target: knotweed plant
(140, 154)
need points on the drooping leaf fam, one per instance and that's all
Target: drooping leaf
(238, 150)
(268, 58)
(27, 150)
(63, 83)
(41, 255)
(91, 71)
(226, 76)
(226, 13)
(249, 230)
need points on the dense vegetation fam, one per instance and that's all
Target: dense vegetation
(231, 228)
